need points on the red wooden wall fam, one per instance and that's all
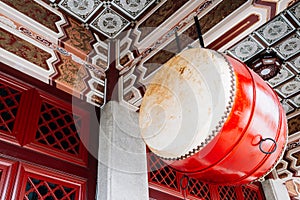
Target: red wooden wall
(44, 142)
(167, 184)
(47, 151)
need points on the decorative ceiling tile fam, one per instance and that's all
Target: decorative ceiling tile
(284, 75)
(287, 107)
(246, 49)
(295, 64)
(288, 47)
(296, 100)
(132, 8)
(109, 23)
(290, 88)
(275, 30)
(295, 12)
(81, 9)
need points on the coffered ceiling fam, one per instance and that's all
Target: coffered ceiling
(93, 49)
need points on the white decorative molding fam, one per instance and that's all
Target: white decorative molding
(284, 170)
(35, 26)
(93, 95)
(24, 65)
(230, 21)
(182, 19)
(98, 54)
(135, 101)
(7, 22)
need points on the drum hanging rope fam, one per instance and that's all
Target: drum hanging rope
(177, 41)
(267, 152)
(197, 23)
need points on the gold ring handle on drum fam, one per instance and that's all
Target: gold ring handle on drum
(266, 139)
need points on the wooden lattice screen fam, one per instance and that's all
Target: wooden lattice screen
(43, 140)
(167, 180)
(41, 132)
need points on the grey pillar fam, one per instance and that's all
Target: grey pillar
(122, 164)
(275, 190)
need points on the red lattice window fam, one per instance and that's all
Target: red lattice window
(227, 192)
(59, 129)
(161, 174)
(40, 189)
(199, 189)
(42, 184)
(49, 133)
(164, 178)
(9, 103)
(250, 193)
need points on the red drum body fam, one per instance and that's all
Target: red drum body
(235, 139)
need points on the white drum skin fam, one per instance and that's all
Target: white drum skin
(181, 106)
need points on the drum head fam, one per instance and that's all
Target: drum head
(186, 103)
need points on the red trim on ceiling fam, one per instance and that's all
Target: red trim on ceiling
(272, 6)
(234, 32)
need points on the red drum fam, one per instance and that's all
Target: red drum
(208, 116)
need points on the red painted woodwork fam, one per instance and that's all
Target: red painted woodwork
(157, 195)
(54, 127)
(29, 103)
(43, 145)
(8, 170)
(164, 184)
(40, 183)
(234, 32)
(10, 100)
(61, 132)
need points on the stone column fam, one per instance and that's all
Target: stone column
(275, 189)
(122, 164)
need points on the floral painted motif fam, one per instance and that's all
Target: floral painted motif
(35, 12)
(79, 37)
(72, 75)
(24, 49)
